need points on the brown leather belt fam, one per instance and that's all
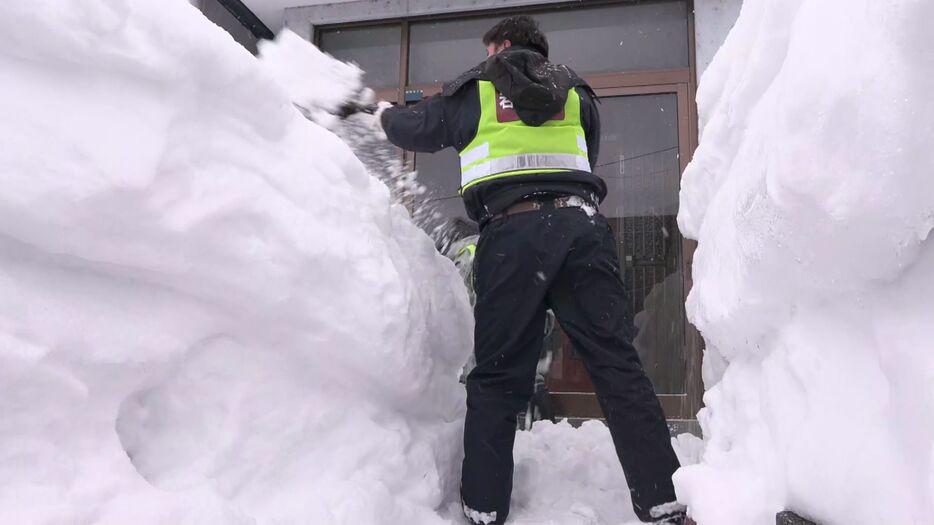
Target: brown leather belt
(536, 205)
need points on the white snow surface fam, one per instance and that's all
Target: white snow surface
(812, 198)
(210, 313)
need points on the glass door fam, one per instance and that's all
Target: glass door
(640, 160)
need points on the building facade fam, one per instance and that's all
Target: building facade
(643, 59)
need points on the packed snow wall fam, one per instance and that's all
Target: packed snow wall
(812, 198)
(209, 311)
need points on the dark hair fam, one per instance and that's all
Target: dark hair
(520, 30)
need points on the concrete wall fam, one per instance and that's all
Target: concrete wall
(222, 17)
(713, 20)
(303, 19)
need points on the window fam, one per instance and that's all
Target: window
(614, 38)
(441, 50)
(376, 49)
(627, 37)
(441, 176)
(639, 155)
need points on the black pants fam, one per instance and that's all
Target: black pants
(567, 261)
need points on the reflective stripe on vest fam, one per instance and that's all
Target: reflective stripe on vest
(505, 146)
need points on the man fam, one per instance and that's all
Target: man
(528, 134)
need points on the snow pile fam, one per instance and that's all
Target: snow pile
(812, 198)
(209, 311)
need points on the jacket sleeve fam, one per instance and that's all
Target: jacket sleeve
(590, 120)
(420, 128)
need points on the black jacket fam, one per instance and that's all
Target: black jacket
(538, 90)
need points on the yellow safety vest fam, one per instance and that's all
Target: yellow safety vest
(505, 146)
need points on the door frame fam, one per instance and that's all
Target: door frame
(679, 83)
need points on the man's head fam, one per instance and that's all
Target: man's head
(515, 31)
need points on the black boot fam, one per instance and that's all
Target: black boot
(671, 514)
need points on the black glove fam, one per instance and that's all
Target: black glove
(353, 107)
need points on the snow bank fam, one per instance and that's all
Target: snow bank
(812, 199)
(209, 311)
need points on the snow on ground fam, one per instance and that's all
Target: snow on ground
(568, 476)
(211, 313)
(812, 198)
